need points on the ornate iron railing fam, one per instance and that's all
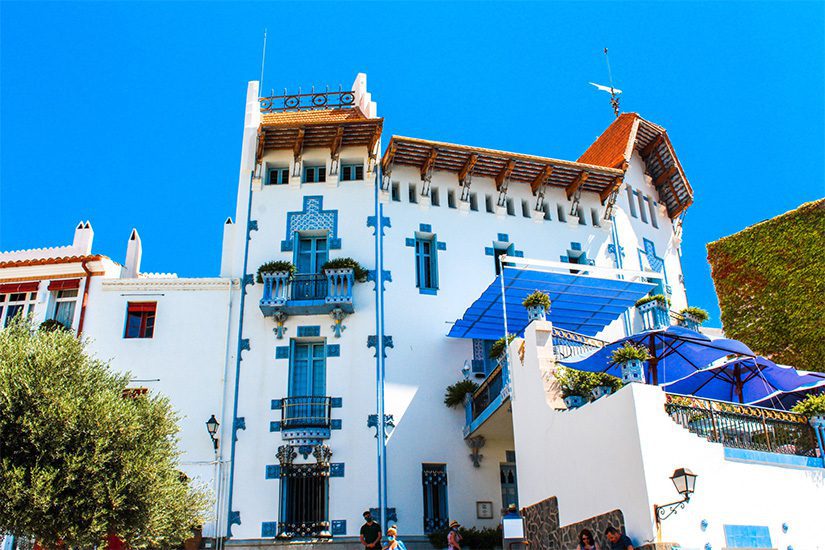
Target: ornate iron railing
(306, 412)
(568, 344)
(744, 426)
(304, 501)
(307, 102)
(488, 390)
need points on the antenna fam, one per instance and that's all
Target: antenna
(263, 63)
(614, 92)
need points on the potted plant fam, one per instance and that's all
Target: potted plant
(537, 305)
(498, 347)
(359, 272)
(630, 358)
(605, 385)
(576, 386)
(654, 311)
(654, 300)
(693, 317)
(812, 407)
(456, 393)
(277, 267)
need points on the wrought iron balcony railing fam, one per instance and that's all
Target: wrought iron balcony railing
(744, 426)
(308, 294)
(307, 102)
(306, 412)
(567, 344)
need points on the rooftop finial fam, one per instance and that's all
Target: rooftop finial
(614, 92)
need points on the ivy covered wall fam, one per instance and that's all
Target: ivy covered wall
(770, 281)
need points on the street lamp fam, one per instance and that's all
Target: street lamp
(685, 482)
(212, 427)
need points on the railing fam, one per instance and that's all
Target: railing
(488, 391)
(567, 344)
(744, 426)
(307, 102)
(333, 287)
(655, 315)
(306, 412)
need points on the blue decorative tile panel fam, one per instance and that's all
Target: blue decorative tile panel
(245, 344)
(274, 426)
(518, 253)
(312, 218)
(656, 263)
(336, 469)
(576, 246)
(282, 352)
(441, 245)
(385, 222)
(269, 529)
(409, 241)
(503, 237)
(336, 402)
(489, 251)
(425, 228)
(276, 404)
(339, 527)
(429, 291)
(747, 536)
(309, 331)
(335, 423)
(333, 350)
(273, 471)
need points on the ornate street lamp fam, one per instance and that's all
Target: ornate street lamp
(685, 482)
(212, 427)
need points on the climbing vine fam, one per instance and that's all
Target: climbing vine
(770, 284)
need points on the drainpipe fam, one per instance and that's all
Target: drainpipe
(619, 264)
(379, 354)
(85, 297)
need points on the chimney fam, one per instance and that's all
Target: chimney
(134, 251)
(227, 256)
(83, 237)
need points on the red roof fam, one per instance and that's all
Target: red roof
(610, 147)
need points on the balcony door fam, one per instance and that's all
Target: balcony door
(307, 404)
(313, 252)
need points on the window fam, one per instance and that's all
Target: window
(451, 198)
(311, 253)
(546, 208)
(474, 202)
(509, 484)
(396, 192)
(631, 201)
(511, 208)
(411, 194)
(352, 172)
(304, 495)
(64, 305)
(488, 203)
(594, 217)
(315, 174)
(426, 276)
(642, 209)
(525, 208)
(434, 479)
(17, 303)
(307, 371)
(435, 199)
(140, 319)
(502, 252)
(561, 213)
(581, 216)
(652, 207)
(277, 175)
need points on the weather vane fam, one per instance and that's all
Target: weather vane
(614, 92)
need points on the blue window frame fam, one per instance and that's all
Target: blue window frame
(311, 252)
(436, 512)
(426, 265)
(315, 174)
(277, 175)
(352, 172)
(308, 369)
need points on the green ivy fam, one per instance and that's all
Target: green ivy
(769, 282)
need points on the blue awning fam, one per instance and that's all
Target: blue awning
(580, 303)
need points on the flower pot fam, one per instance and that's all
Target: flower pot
(536, 313)
(574, 401)
(600, 391)
(690, 322)
(633, 372)
(817, 421)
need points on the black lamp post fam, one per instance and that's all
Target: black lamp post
(212, 427)
(685, 482)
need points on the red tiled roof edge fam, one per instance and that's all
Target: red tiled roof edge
(610, 147)
(49, 261)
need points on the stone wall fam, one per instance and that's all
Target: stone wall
(542, 529)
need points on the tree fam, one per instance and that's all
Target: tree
(78, 459)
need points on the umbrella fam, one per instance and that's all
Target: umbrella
(785, 400)
(676, 352)
(743, 380)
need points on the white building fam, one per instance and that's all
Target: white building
(303, 371)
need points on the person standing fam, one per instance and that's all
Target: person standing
(392, 537)
(454, 537)
(618, 541)
(370, 533)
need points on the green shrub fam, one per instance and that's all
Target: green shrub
(487, 538)
(650, 298)
(537, 299)
(276, 266)
(813, 405)
(629, 352)
(454, 396)
(604, 379)
(698, 313)
(499, 346)
(575, 382)
(343, 263)
(52, 324)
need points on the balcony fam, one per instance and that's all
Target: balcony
(307, 294)
(306, 412)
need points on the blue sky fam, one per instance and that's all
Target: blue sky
(130, 114)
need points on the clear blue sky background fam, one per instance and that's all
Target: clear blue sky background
(130, 114)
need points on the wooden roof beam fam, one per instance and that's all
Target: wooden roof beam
(652, 145)
(376, 135)
(664, 176)
(298, 146)
(542, 178)
(389, 156)
(335, 148)
(428, 164)
(577, 183)
(610, 189)
(259, 150)
(505, 173)
(468, 167)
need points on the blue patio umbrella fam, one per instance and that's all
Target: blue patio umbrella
(785, 400)
(676, 352)
(743, 380)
